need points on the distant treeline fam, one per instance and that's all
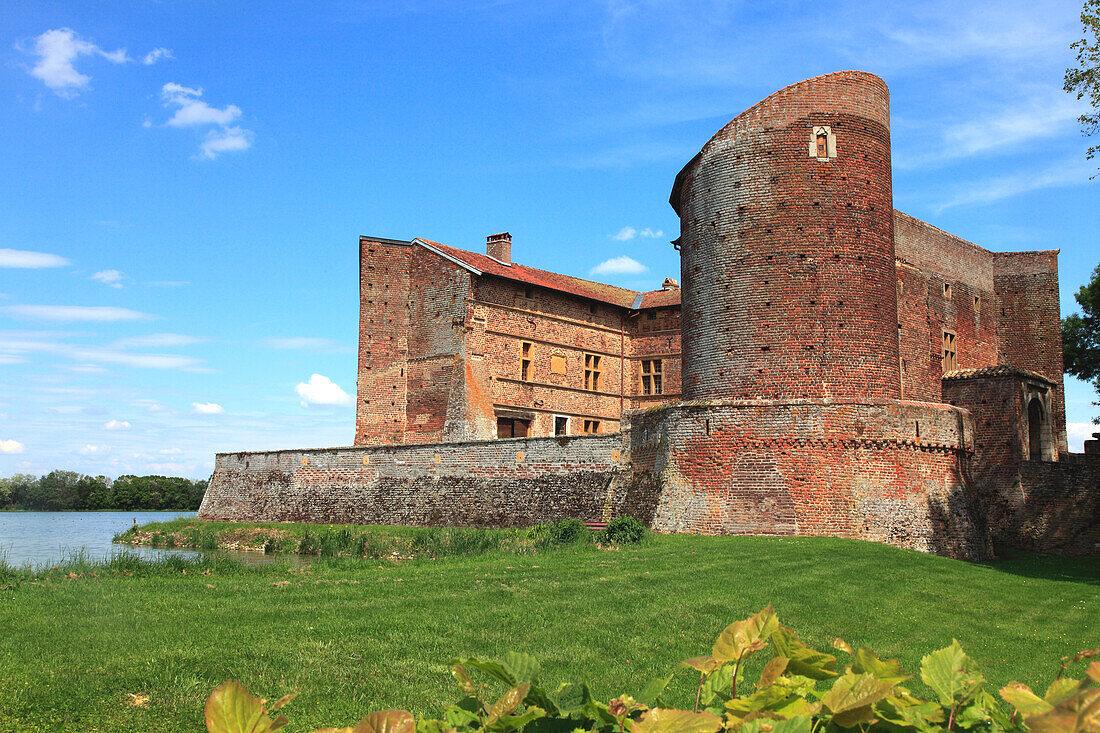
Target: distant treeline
(69, 491)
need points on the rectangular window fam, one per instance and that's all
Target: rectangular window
(561, 425)
(557, 364)
(591, 427)
(652, 376)
(509, 427)
(525, 361)
(950, 354)
(592, 372)
(947, 290)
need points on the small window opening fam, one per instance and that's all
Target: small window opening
(525, 362)
(950, 360)
(591, 427)
(527, 292)
(509, 427)
(822, 145)
(592, 372)
(1038, 437)
(652, 376)
(977, 303)
(592, 307)
(561, 425)
(947, 290)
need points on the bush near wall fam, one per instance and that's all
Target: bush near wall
(800, 690)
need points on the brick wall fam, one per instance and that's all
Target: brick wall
(1029, 333)
(498, 483)
(787, 261)
(384, 267)
(890, 472)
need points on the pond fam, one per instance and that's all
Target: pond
(38, 538)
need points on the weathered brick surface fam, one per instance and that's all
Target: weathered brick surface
(787, 261)
(889, 472)
(498, 483)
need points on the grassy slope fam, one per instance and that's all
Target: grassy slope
(362, 635)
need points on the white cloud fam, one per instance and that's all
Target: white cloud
(320, 390)
(27, 259)
(111, 278)
(192, 111)
(116, 425)
(11, 446)
(73, 313)
(227, 140)
(56, 50)
(207, 408)
(90, 450)
(1078, 433)
(157, 54)
(627, 233)
(1072, 173)
(1038, 118)
(621, 265)
(19, 343)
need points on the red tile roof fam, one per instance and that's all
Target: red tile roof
(601, 292)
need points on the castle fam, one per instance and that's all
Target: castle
(829, 366)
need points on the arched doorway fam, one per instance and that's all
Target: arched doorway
(1035, 429)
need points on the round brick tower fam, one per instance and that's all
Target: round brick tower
(787, 249)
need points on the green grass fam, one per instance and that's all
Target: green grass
(357, 635)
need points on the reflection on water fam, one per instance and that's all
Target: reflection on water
(40, 538)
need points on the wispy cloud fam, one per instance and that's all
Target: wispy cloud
(32, 260)
(320, 390)
(11, 446)
(157, 54)
(307, 343)
(73, 313)
(627, 233)
(116, 425)
(156, 341)
(20, 344)
(57, 50)
(192, 111)
(621, 265)
(207, 408)
(110, 278)
(973, 193)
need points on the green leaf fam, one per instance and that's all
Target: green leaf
(463, 678)
(538, 697)
(705, 664)
(951, 674)
(1023, 699)
(773, 670)
(1094, 672)
(1061, 690)
(887, 670)
(970, 716)
(515, 722)
(718, 684)
(1078, 714)
(662, 720)
(387, 721)
(851, 697)
(800, 724)
(496, 670)
(572, 697)
(522, 667)
(457, 716)
(803, 660)
(766, 699)
(743, 638)
(231, 709)
(923, 717)
(652, 691)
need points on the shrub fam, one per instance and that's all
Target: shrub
(865, 696)
(308, 545)
(625, 530)
(568, 531)
(270, 545)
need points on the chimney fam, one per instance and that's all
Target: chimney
(499, 247)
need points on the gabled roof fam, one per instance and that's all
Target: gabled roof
(481, 264)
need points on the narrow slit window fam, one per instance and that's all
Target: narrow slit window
(947, 290)
(652, 376)
(525, 362)
(822, 145)
(950, 353)
(592, 372)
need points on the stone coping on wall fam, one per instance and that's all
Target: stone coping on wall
(1002, 371)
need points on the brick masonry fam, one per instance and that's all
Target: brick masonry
(806, 388)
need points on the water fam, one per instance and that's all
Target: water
(45, 537)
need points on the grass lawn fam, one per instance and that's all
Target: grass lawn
(353, 636)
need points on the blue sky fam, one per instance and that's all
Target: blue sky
(185, 182)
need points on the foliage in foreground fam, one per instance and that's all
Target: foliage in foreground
(800, 690)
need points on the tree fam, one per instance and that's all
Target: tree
(1081, 335)
(1084, 79)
